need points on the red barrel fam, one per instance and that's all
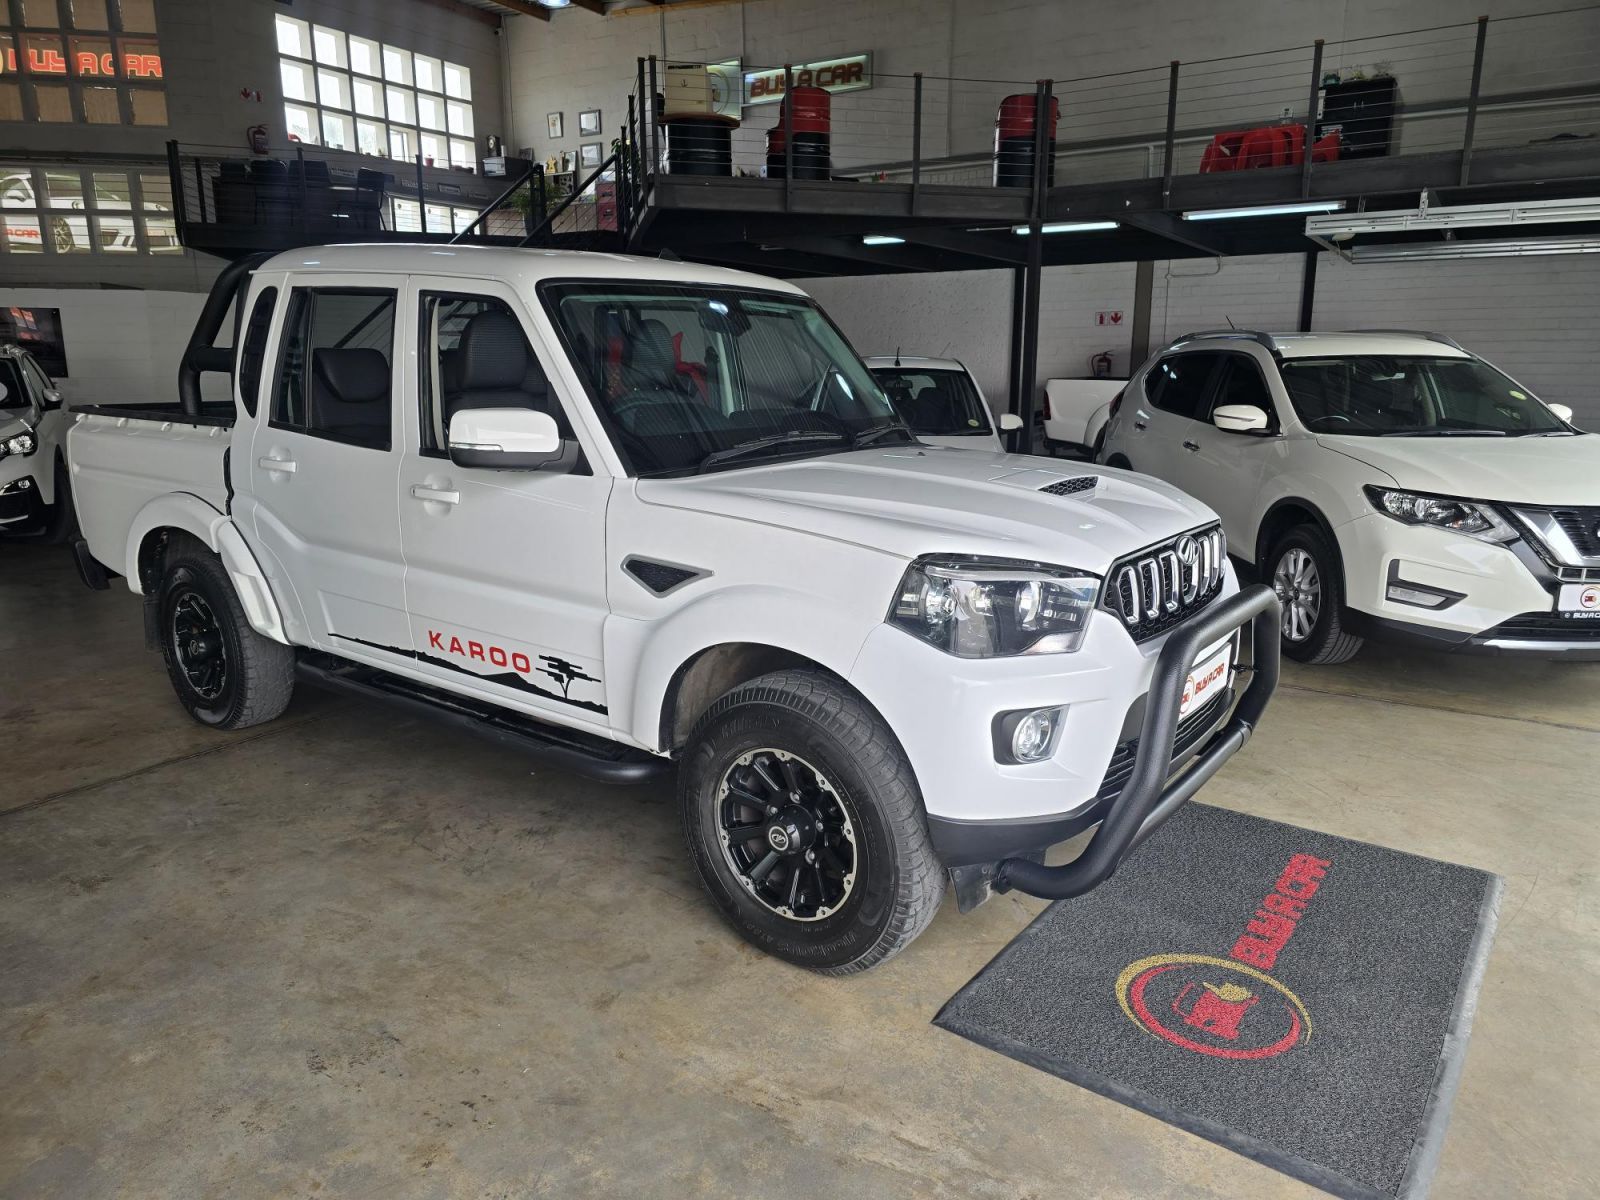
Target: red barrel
(1013, 141)
(813, 110)
(813, 136)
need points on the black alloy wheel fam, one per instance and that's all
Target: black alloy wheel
(197, 644)
(787, 834)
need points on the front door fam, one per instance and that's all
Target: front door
(1165, 419)
(1225, 469)
(321, 467)
(505, 581)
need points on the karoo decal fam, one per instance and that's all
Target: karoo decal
(1230, 1007)
(521, 666)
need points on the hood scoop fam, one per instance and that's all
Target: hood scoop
(1068, 487)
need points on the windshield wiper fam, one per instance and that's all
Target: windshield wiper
(757, 445)
(868, 436)
(1445, 433)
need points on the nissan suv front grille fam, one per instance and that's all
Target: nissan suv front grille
(1162, 585)
(1566, 537)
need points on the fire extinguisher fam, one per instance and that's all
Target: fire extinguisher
(1100, 364)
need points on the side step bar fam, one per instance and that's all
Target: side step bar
(570, 750)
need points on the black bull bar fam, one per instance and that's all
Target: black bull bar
(1149, 798)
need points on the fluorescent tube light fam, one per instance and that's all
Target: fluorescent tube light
(1265, 210)
(1069, 226)
(1458, 216)
(1425, 251)
(882, 239)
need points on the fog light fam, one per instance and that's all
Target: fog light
(1033, 735)
(1418, 595)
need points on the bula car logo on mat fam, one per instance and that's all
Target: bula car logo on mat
(1229, 1007)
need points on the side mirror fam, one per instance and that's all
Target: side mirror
(1240, 418)
(1010, 422)
(509, 439)
(52, 398)
(1561, 411)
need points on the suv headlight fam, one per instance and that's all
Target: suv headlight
(994, 607)
(1442, 512)
(18, 443)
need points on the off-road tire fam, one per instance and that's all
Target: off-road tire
(899, 882)
(259, 672)
(1327, 644)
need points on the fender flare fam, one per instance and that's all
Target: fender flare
(192, 515)
(741, 614)
(1318, 518)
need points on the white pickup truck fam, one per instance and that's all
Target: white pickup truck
(624, 513)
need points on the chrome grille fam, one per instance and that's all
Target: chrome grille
(1165, 584)
(1066, 487)
(1567, 537)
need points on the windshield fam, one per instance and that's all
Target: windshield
(939, 403)
(14, 400)
(690, 378)
(1387, 395)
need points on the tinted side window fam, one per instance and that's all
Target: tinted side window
(335, 364)
(1178, 382)
(1241, 383)
(253, 354)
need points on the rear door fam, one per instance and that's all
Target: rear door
(322, 465)
(506, 573)
(1166, 418)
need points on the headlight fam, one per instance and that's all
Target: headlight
(1442, 512)
(20, 443)
(992, 608)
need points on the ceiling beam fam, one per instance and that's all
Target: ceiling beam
(526, 7)
(1173, 229)
(850, 248)
(456, 8)
(598, 7)
(966, 244)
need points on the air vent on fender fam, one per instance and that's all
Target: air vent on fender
(659, 577)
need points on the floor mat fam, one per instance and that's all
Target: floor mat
(1300, 998)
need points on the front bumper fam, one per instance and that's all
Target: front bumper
(982, 812)
(19, 502)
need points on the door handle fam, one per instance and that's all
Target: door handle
(1187, 445)
(1141, 425)
(437, 495)
(284, 466)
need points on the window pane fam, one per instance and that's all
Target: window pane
(371, 138)
(328, 45)
(368, 97)
(155, 192)
(69, 234)
(116, 234)
(92, 58)
(430, 111)
(432, 149)
(111, 190)
(461, 154)
(407, 216)
(294, 37)
(396, 64)
(162, 234)
(429, 73)
(401, 107)
(400, 143)
(88, 14)
(45, 54)
(301, 124)
(463, 218)
(22, 234)
(333, 373)
(62, 189)
(1182, 383)
(138, 16)
(460, 116)
(41, 13)
(334, 89)
(149, 106)
(297, 81)
(141, 58)
(336, 131)
(457, 81)
(53, 102)
(10, 100)
(365, 56)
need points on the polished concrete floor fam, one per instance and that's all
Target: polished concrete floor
(352, 955)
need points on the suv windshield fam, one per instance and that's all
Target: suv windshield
(1378, 395)
(690, 378)
(938, 402)
(13, 392)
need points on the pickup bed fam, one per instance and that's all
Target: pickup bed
(629, 515)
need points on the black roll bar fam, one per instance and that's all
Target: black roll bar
(1148, 800)
(202, 353)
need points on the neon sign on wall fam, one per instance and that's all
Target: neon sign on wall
(87, 64)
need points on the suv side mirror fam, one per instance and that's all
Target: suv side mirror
(1240, 418)
(509, 439)
(1010, 422)
(52, 398)
(1561, 412)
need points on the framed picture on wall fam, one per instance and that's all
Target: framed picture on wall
(38, 331)
(555, 123)
(568, 162)
(590, 155)
(589, 123)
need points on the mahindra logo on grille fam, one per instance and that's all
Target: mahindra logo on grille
(1167, 580)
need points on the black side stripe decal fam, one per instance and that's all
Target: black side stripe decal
(509, 679)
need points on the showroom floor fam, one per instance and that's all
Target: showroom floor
(353, 955)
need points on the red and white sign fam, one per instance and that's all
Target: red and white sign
(851, 73)
(1209, 677)
(1109, 317)
(1580, 600)
(87, 64)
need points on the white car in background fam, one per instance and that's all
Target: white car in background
(67, 227)
(1385, 482)
(941, 401)
(1075, 413)
(34, 492)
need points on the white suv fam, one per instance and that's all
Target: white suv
(1386, 482)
